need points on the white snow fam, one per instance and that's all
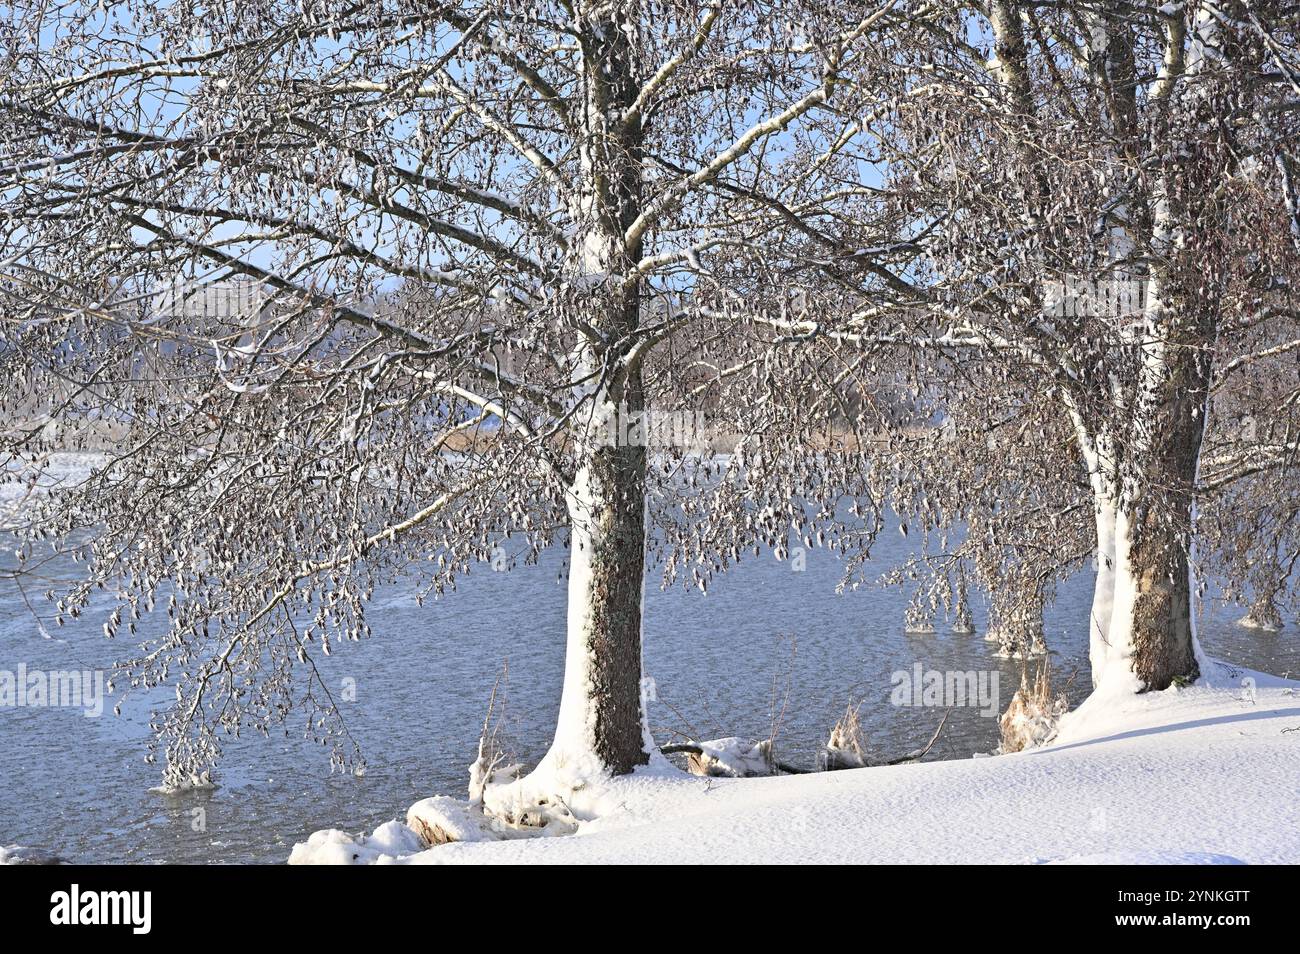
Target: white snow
(1206, 774)
(734, 757)
(457, 820)
(1150, 858)
(333, 847)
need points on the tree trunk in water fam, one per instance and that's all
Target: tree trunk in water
(1269, 581)
(1263, 615)
(601, 721)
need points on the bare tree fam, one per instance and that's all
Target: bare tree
(1105, 200)
(1011, 272)
(489, 241)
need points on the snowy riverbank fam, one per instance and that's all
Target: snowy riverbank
(1201, 774)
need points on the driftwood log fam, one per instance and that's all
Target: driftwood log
(696, 750)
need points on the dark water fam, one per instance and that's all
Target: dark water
(78, 786)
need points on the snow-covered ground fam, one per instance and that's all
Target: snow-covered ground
(1208, 774)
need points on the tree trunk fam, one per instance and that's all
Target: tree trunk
(1103, 594)
(1152, 624)
(1142, 622)
(601, 722)
(601, 728)
(1152, 629)
(1185, 219)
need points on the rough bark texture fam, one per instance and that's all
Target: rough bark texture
(1159, 556)
(1162, 622)
(608, 509)
(1182, 323)
(615, 532)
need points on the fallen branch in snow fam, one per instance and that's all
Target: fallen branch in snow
(722, 758)
(730, 758)
(921, 753)
(847, 746)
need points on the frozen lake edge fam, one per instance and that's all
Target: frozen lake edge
(1205, 774)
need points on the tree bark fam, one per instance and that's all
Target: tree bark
(1182, 223)
(1103, 593)
(601, 728)
(1142, 618)
(1156, 613)
(1152, 629)
(1152, 624)
(600, 710)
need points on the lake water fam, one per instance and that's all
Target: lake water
(78, 787)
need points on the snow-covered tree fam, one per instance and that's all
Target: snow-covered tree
(395, 288)
(463, 254)
(1106, 199)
